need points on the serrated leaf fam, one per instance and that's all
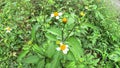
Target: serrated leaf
(55, 63)
(50, 36)
(50, 50)
(75, 47)
(54, 31)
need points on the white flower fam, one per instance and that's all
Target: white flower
(64, 48)
(60, 13)
(56, 14)
(57, 17)
(86, 7)
(14, 54)
(52, 15)
(8, 29)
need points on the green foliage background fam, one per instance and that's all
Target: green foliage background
(94, 39)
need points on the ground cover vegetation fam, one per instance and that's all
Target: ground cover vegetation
(59, 34)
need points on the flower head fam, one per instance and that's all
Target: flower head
(82, 13)
(63, 48)
(86, 7)
(56, 14)
(14, 54)
(8, 29)
(64, 20)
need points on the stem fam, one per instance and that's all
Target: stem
(71, 31)
(63, 32)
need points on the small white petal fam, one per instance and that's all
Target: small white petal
(7, 31)
(52, 15)
(67, 46)
(61, 43)
(57, 17)
(60, 13)
(65, 51)
(10, 29)
(58, 48)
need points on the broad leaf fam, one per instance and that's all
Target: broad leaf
(75, 47)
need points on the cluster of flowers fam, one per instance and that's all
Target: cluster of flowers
(62, 47)
(57, 16)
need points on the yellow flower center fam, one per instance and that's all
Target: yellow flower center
(63, 47)
(82, 13)
(8, 28)
(55, 13)
(64, 20)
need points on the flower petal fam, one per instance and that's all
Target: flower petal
(7, 31)
(60, 13)
(61, 43)
(52, 15)
(65, 51)
(58, 48)
(67, 46)
(57, 17)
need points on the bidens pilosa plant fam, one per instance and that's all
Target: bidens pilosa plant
(59, 34)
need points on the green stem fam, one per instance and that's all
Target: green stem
(71, 31)
(63, 32)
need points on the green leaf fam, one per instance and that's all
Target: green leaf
(48, 65)
(115, 55)
(50, 50)
(22, 55)
(55, 31)
(34, 30)
(81, 66)
(51, 2)
(70, 20)
(93, 7)
(37, 49)
(50, 36)
(99, 15)
(41, 64)
(55, 63)
(75, 47)
(70, 56)
(31, 59)
(71, 65)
